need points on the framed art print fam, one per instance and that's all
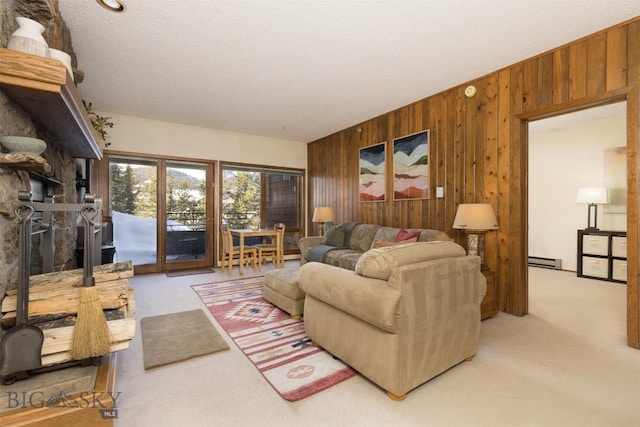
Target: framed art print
(411, 167)
(372, 173)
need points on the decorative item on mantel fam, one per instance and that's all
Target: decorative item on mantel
(63, 57)
(23, 144)
(99, 123)
(24, 153)
(28, 38)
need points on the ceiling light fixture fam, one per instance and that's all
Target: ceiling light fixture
(112, 5)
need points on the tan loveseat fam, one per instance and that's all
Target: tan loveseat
(406, 314)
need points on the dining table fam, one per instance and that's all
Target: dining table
(243, 233)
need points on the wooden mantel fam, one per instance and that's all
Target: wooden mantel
(45, 90)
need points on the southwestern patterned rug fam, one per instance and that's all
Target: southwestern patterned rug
(276, 344)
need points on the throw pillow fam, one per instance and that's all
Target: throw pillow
(334, 236)
(381, 243)
(406, 235)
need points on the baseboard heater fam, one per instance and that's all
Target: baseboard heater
(536, 261)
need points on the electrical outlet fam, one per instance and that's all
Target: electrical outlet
(439, 192)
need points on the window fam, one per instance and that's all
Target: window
(263, 197)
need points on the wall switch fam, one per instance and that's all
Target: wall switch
(439, 192)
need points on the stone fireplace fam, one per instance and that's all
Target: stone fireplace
(14, 120)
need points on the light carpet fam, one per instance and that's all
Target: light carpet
(276, 344)
(171, 338)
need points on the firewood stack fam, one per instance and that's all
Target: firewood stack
(53, 307)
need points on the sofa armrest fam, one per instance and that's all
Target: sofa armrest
(437, 291)
(367, 299)
(305, 243)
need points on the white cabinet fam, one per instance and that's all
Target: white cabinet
(602, 255)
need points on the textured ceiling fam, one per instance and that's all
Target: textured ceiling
(302, 69)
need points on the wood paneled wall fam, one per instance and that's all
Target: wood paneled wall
(478, 151)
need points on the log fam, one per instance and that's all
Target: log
(65, 356)
(64, 302)
(74, 278)
(131, 302)
(59, 339)
(49, 321)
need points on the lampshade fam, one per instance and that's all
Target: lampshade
(323, 214)
(475, 216)
(593, 195)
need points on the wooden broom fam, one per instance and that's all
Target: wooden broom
(91, 335)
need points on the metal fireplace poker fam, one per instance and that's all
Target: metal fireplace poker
(21, 346)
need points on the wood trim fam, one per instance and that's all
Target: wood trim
(633, 219)
(37, 72)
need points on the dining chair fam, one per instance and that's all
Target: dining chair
(230, 252)
(274, 249)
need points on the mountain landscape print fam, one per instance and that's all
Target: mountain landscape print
(372, 173)
(411, 167)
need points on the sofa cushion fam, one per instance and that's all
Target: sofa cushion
(362, 237)
(379, 263)
(334, 235)
(386, 233)
(404, 235)
(343, 258)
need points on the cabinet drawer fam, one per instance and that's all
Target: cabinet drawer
(596, 267)
(619, 270)
(619, 246)
(595, 245)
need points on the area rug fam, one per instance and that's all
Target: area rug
(189, 272)
(171, 338)
(276, 344)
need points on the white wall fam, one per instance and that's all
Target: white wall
(560, 162)
(138, 135)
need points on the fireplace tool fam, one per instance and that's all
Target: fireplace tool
(22, 345)
(91, 335)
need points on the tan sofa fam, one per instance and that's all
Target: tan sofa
(406, 314)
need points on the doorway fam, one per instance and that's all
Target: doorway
(161, 212)
(567, 152)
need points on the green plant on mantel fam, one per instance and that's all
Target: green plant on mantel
(99, 123)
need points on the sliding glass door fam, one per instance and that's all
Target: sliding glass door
(134, 209)
(161, 212)
(185, 212)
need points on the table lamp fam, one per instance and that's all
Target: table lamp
(323, 214)
(593, 196)
(476, 219)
